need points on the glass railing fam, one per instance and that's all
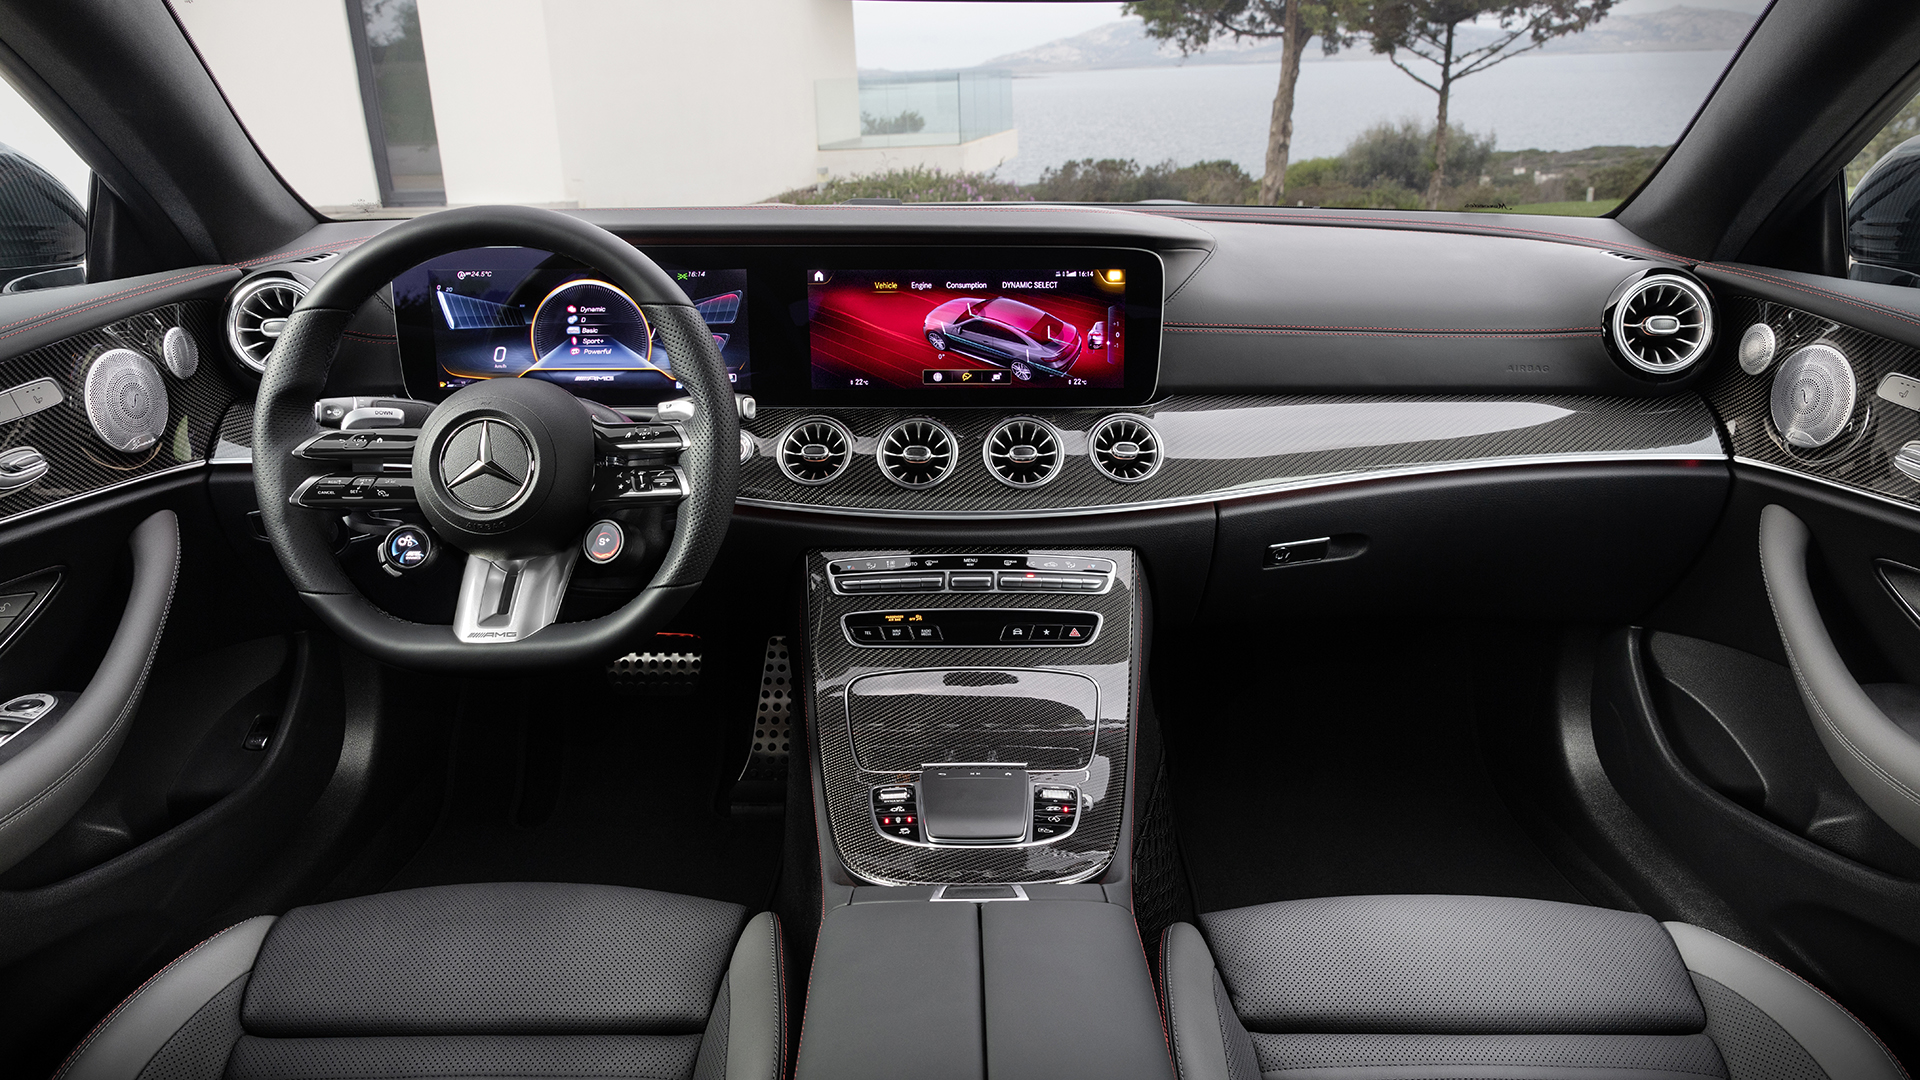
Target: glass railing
(919, 108)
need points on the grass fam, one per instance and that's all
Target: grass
(1570, 208)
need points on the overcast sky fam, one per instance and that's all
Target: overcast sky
(913, 35)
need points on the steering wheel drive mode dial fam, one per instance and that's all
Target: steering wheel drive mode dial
(604, 543)
(408, 547)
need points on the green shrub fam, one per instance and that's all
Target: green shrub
(1402, 153)
(918, 184)
(1316, 172)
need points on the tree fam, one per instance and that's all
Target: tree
(1195, 24)
(1430, 30)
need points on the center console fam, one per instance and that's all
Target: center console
(972, 711)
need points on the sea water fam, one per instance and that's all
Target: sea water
(1205, 112)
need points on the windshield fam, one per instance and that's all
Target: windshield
(383, 107)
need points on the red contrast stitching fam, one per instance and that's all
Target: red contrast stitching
(1314, 331)
(1814, 290)
(47, 318)
(128, 1000)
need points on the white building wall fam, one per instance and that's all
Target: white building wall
(665, 103)
(494, 100)
(288, 69)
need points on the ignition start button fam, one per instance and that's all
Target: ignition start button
(604, 542)
(408, 547)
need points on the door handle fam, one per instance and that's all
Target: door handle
(1878, 759)
(47, 783)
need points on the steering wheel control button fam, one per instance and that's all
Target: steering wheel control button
(487, 465)
(646, 438)
(408, 547)
(604, 543)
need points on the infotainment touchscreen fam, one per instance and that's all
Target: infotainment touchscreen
(1020, 329)
(509, 312)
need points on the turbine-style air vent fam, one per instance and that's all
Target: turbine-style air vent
(815, 450)
(257, 313)
(1023, 452)
(917, 453)
(1663, 324)
(1125, 447)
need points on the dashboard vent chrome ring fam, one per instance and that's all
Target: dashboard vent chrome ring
(1757, 347)
(1125, 447)
(1663, 324)
(917, 453)
(257, 313)
(815, 450)
(1813, 396)
(1022, 452)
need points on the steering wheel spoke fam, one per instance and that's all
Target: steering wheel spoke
(511, 599)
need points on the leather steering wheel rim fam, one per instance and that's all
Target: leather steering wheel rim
(296, 375)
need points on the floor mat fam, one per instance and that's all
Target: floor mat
(1340, 765)
(563, 780)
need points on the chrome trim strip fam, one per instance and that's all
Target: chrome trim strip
(1230, 494)
(1835, 484)
(10, 519)
(940, 894)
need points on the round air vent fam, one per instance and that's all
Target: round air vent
(126, 401)
(1662, 324)
(1022, 452)
(1813, 396)
(815, 450)
(1125, 447)
(257, 314)
(917, 453)
(1756, 348)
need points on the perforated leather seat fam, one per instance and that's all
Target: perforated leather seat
(1430, 987)
(500, 981)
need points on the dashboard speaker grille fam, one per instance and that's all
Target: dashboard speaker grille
(815, 450)
(1663, 325)
(257, 313)
(1125, 448)
(1022, 452)
(917, 453)
(1813, 396)
(1757, 346)
(126, 401)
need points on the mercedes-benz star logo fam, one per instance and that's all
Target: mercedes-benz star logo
(487, 465)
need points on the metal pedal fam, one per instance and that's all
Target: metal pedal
(763, 779)
(656, 674)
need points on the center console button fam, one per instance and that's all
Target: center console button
(1046, 633)
(868, 635)
(926, 633)
(1020, 632)
(871, 583)
(896, 632)
(970, 582)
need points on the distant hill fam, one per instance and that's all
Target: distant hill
(1124, 44)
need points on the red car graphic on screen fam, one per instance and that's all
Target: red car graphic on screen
(1005, 333)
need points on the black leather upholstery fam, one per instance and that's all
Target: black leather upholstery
(1419, 987)
(460, 981)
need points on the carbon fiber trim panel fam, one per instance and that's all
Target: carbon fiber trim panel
(81, 462)
(1108, 662)
(1226, 447)
(1046, 720)
(1861, 457)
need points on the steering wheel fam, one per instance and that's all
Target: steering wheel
(530, 445)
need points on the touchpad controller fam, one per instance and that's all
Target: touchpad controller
(975, 804)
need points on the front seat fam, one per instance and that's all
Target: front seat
(498, 981)
(1429, 987)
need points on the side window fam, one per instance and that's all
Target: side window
(1883, 203)
(43, 191)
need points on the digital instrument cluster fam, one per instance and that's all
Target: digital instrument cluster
(828, 325)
